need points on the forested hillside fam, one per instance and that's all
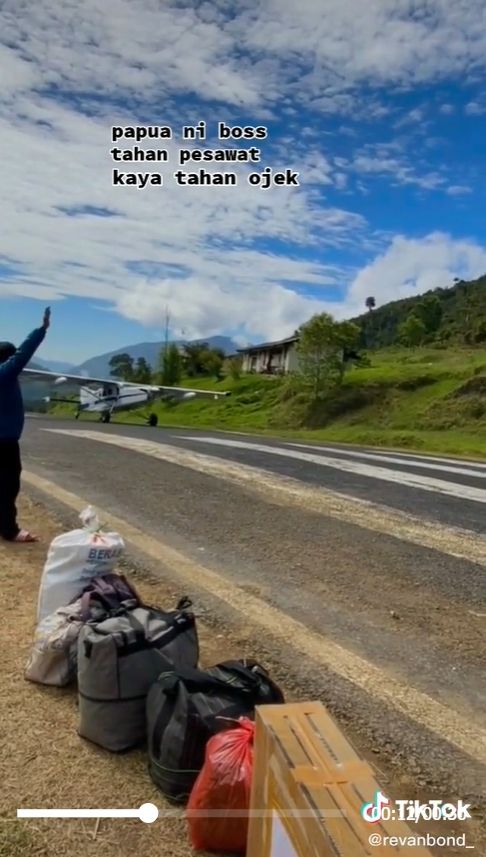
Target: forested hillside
(416, 379)
(453, 315)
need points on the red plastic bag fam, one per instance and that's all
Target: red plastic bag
(223, 786)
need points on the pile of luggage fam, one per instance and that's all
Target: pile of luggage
(139, 682)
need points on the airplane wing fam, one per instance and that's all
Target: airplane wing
(188, 393)
(156, 390)
(59, 378)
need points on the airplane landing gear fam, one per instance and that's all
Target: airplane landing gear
(153, 420)
(105, 417)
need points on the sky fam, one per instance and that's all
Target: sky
(379, 106)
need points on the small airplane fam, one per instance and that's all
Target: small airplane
(108, 397)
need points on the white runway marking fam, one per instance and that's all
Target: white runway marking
(413, 457)
(404, 462)
(411, 480)
(287, 491)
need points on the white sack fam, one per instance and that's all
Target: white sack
(73, 559)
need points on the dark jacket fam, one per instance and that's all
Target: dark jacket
(11, 402)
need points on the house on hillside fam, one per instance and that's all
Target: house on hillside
(271, 358)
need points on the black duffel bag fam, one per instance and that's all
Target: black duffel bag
(186, 707)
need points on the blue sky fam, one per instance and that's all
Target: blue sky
(379, 106)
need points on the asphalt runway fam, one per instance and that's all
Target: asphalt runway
(359, 575)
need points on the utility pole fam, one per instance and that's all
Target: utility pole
(164, 351)
(167, 329)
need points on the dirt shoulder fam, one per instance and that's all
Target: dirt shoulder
(43, 761)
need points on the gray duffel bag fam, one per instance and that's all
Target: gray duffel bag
(119, 658)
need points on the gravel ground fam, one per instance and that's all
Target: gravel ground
(43, 762)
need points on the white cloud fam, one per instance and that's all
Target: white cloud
(413, 266)
(340, 180)
(205, 307)
(206, 239)
(17, 75)
(406, 268)
(458, 190)
(476, 108)
(381, 41)
(413, 117)
(247, 54)
(121, 48)
(447, 109)
(399, 170)
(417, 114)
(315, 168)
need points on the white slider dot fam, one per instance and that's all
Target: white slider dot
(148, 813)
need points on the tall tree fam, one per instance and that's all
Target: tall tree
(121, 366)
(192, 359)
(235, 368)
(170, 365)
(412, 331)
(479, 332)
(142, 373)
(212, 360)
(322, 347)
(430, 311)
(370, 303)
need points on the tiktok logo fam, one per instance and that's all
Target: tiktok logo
(373, 812)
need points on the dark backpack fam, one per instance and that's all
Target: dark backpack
(187, 707)
(106, 594)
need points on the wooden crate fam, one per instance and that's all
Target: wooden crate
(309, 786)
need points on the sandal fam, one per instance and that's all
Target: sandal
(24, 537)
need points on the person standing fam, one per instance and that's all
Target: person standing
(12, 361)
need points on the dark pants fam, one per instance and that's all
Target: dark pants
(10, 470)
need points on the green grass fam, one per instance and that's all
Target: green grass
(18, 840)
(405, 399)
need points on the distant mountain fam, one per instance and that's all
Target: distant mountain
(99, 367)
(51, 366)
(58, 366)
